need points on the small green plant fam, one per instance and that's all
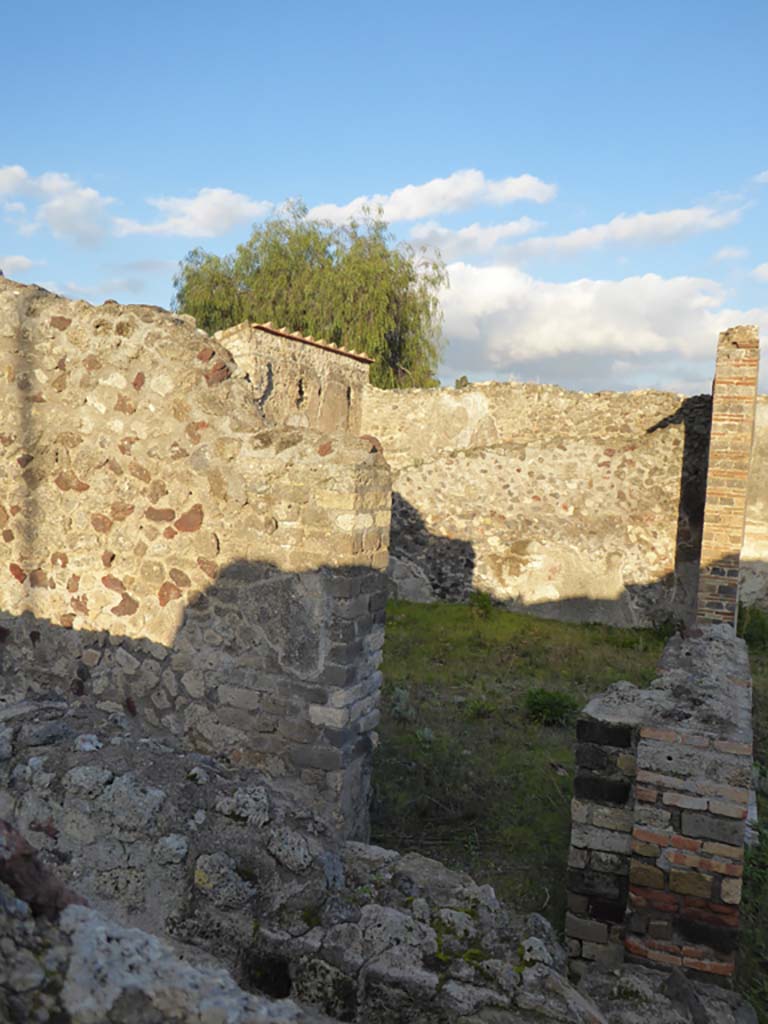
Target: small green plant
(480, 707)
(550, 707)
(753, 950)
(402, 709)
(481, 604)
(753, 626)
(462, 382)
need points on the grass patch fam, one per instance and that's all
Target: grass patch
(752, 978)
(475, 766)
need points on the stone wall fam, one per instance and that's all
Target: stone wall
(166, 553)
(659, 813)
(225, 868)
(577, 506)
(298, 381)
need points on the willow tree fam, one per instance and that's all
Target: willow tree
(350, 284)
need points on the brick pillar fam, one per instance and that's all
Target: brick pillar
(733, 416)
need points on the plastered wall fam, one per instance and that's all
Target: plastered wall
(571, 505)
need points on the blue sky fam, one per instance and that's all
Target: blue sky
(596, 174)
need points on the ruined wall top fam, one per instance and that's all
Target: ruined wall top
(298, 381)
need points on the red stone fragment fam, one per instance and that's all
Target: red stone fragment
(206, 354)
(136, 469)
(169, 533)
(191, 520)
(92, 362)
(160, 515)
(209, 568)
(325, 448)
(8, 536)
(67, 481)
(107, 558)
(38, 578)
(168, 592)
(126, 444)
(128, 606)
(124, 404)
(113, 583)
(24, 460)
(80, 604)
(60, 323)
(218, 372)
(180, 578)
(138, 381)
(60, 558)
(73, 584)
(120, 510)
(17, 572)
(194, 430)
(67, 621)
(100, 523)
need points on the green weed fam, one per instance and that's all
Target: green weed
(551, 707)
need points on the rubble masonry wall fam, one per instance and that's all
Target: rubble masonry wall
(164, 552)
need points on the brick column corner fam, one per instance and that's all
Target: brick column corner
(734, 393)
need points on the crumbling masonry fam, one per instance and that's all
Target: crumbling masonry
(662, 789)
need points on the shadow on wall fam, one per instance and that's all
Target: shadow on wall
(277, 670)
(695, 414)
(426, 567)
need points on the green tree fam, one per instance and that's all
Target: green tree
(350, 284)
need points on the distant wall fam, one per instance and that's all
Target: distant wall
(297, 381)
(575, 506)
(166, 555)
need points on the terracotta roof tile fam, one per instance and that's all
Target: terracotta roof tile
(283, 332)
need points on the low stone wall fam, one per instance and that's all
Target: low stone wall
(658, 818)
(574, 506)
(226, 868)
(167, 554)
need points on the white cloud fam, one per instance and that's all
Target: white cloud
(459, 191)
(68, 210)
(731, 252)
(637, 227)
(212, 212)
(11, 265)
(761, 178)
(498, 317)
(13, 179)
(760, 273)
(76, 213)
(472, 239)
